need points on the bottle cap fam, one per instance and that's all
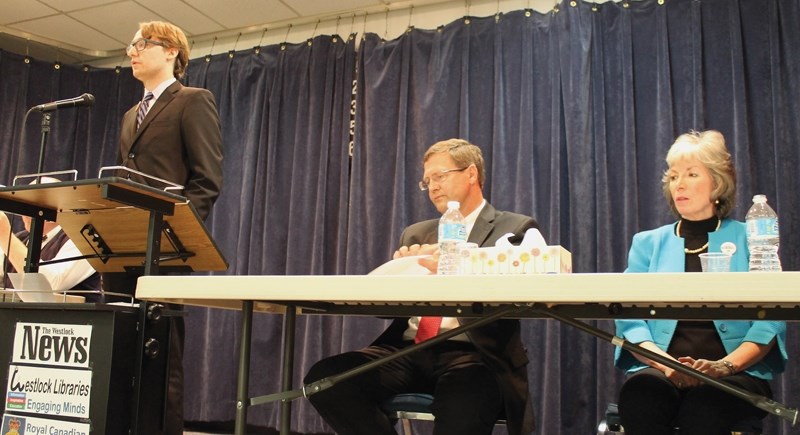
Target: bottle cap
(760, 198)
(453, 204)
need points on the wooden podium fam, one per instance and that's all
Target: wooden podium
(110, 220)
(118, 225)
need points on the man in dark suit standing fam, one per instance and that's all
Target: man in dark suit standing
(172, 134)
(475, 378)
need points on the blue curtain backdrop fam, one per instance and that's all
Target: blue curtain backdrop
(574, 110)
(285, 111)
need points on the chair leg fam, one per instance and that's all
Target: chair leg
(406, 423)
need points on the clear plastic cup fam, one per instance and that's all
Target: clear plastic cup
(715, 262)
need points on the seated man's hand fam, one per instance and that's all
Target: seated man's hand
(431, 263)
(415, 249)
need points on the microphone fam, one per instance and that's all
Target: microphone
(83, 100)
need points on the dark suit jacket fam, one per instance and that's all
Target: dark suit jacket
(179, 141)
(499, 342)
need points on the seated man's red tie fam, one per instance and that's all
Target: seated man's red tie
(428, 328)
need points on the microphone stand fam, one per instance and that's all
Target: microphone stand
(37, 222)
(46, 116)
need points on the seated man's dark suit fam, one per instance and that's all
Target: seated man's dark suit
(498, 345)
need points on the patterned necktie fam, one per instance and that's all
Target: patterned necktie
(428, 328)
(143, 108)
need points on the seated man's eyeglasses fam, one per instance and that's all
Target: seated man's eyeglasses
(141, 44)
(438, 177)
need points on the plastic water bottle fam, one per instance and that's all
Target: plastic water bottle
(452, 233)
(762, 236)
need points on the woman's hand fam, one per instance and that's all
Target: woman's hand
(715, 369)
(679, 379)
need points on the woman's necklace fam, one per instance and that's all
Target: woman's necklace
(700, 249)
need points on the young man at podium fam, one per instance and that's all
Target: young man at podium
(173, 134)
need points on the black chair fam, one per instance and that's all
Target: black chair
(411, 406)
(612, 424)
(407, 407)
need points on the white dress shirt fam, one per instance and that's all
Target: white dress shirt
(448, 323)
(66, 275)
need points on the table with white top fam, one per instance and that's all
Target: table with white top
(565, 297)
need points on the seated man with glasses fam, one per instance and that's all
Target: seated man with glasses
(475, 378)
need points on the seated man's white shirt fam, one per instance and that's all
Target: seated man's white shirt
(66, 275)
(448, 323)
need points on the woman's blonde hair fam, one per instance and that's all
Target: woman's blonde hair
(708, 148)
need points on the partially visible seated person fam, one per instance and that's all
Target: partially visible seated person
(69, 275)
(700, 188)
(474, 378)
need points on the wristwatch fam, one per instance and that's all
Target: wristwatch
(730, 366)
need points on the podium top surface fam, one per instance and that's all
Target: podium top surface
(116, 211)
(82, 194)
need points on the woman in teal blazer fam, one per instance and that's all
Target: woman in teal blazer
(700, 187)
